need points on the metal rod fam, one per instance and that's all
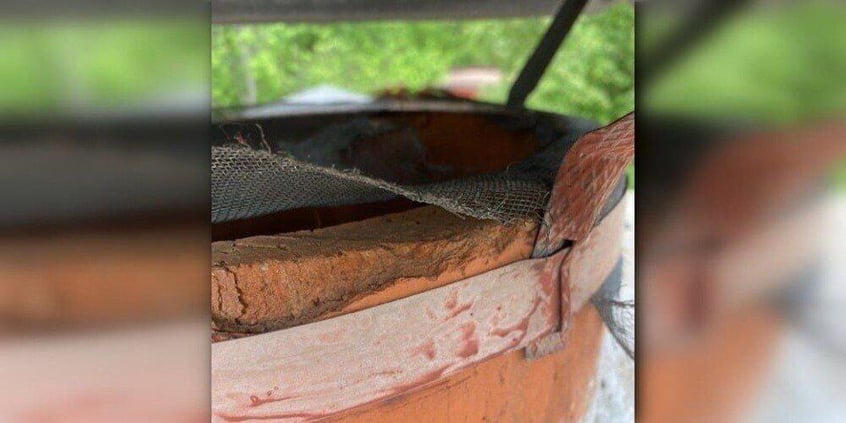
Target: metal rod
(535, 67)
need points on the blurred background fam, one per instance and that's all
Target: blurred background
(591, 77)
(77, 65)
(104, 234)
(740, 208)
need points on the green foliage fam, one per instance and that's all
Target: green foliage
(776, 66)
(840, 177)
(780, 65)
(98, 63)
(592, 76)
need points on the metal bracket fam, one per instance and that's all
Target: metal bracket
(586, 180)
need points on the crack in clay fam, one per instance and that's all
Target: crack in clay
(239, 293)
(470, 344)
(219, 295)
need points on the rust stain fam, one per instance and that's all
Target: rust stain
(469, 342)
(430, 314)
(494, 320)
(522, 326)
(452, 300)
(427, 349)
(452, 305)
(460, 309)
(330, 336)
(549, 272)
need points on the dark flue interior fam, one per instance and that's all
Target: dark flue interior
(446, 145)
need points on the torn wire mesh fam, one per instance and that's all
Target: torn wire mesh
(249, 181)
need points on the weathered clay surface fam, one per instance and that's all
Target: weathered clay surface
(582, 272)
(380, 352)
(271, 282)
(506, 388)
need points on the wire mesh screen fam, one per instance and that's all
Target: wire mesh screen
(330, 169)
(617, 314)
